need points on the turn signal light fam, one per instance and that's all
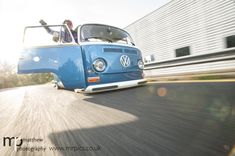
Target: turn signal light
(93, 79)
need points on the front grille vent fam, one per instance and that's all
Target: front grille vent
(130, 51)
(113, 50)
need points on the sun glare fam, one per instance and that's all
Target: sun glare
(11, 48)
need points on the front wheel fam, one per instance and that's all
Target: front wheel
(57, 86)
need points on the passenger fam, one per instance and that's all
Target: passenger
(65, 35)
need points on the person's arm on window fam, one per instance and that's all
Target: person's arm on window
(50, 31)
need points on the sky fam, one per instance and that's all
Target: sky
(16, 14)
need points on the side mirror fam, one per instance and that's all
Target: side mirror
(56, 36)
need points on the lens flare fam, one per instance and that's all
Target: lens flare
(161, 91)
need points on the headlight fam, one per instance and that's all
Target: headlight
(99, 65)
(141, 64)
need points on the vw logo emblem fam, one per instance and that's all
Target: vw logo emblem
(125, 61)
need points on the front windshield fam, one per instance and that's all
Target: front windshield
(104, 33)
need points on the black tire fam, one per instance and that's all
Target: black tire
(57, 87)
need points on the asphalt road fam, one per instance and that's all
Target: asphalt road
(165, 119)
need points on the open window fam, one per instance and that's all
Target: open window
(47, 35)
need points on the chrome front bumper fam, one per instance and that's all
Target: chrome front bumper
(111, 86)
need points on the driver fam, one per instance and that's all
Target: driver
(65, 35)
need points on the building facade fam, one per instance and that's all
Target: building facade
(187, 36)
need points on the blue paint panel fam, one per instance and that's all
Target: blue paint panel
(114, 72)
(65, 61)
(72, 63)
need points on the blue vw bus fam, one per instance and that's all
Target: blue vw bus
(102, 57)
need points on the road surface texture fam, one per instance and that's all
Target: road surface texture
(159, 119)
